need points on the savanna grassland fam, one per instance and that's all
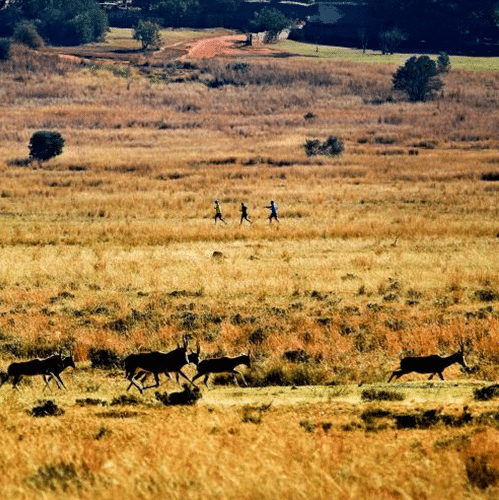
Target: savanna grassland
(110, 248)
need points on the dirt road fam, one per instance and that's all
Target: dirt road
(233, 45)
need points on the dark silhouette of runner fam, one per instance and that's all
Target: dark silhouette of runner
(273, 212)
(244, 214)
(218, 213)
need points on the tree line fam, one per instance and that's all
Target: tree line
(434, 25)
(58, 22)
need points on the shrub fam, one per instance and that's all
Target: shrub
(481, 472)
(188, 396)
(333, 146)
(418, 78)
(104, 358)
(26, 33)
(46, 408)
(44, 145)
(486, 393)
(443, 62)
(381, 395)
(4, 49)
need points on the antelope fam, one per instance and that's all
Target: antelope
(156, 362)
(192, 357)
(48, 366)
(220, 365)
(66, 362)
(430, 364)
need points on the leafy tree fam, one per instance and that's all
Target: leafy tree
(177, 12)
(418, 78)
(26, 33)
(390, 40)
(147, 32)
(60, 22)
(443, 62)
(272, 21)
(45, 144)
(4, 49)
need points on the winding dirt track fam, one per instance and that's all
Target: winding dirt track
(233, 45)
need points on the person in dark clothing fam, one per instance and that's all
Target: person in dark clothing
(273, 212)
(244, 214)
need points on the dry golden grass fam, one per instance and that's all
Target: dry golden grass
(388, 250)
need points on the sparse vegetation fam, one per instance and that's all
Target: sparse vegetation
(332, 146)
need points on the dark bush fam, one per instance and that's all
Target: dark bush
(298, 356)
(188, 396)
(4, 49)
(486, 295)
(417, 420)
(486, 393)
(481, 473)
(381, 395)
(46, 408)
(333, 146)
(124, 400)
(490, 176)
(104, 358)
(26, 33)
(369, 416)
(44, 145)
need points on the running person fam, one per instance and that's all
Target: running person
(244, 214)
(273, 212)
(218, 213)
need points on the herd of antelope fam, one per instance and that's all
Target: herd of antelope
(139, 366)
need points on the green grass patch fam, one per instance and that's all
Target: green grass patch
(372, 56)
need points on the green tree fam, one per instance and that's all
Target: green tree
(4, 49)
(26, 33)
(45, 144)
(443, 62)
(177, 12)
(147, 32)
(418, 78)
(60, 22)
(272, 21)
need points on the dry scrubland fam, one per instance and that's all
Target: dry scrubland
(108, 249)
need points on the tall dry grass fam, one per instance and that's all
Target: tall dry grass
(388, 250)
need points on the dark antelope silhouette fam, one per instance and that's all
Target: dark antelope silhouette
(66, 362)
(221, 365)
(156, 362)
(192, 357)
(46, 367)
(430, 364)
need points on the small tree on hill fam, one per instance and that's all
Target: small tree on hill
(147, 32)
(443, 62)
(4, 49)
(26, 33)
(44, 145)
(272, 21)
(418, 78)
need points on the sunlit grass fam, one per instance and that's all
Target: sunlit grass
(372, 56)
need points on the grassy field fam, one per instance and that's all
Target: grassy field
(372, 56)
(385, 251)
